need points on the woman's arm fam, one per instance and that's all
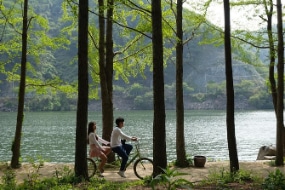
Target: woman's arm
(96, 142)
(103, 141)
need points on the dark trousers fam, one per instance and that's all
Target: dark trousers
(123, 151)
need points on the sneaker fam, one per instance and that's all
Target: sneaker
(100, 174)
(101, 170)
(122, 173)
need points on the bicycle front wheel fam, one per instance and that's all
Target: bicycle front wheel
(91, 167)
(143, 167)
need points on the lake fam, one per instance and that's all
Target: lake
(51, 135)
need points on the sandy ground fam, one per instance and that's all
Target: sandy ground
(193, 174)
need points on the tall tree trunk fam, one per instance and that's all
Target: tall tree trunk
(272, 55)
(80, 167)
(180, 139)
(234, 165)
(106, 69)
(159, 134)
(102, 63)
(107, 92)
(280, 93)
(16, 146)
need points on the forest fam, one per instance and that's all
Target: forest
(53, 73)
(60, 53)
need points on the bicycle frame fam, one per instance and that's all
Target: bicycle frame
(139, 166)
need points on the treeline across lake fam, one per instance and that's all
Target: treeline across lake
(139, 97)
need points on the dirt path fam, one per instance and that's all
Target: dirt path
(193, 174)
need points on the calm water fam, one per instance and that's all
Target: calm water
(51, 135)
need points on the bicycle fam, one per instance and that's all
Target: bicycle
(142, 166)
(91, 167)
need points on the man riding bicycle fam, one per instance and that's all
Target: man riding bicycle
(119, 146)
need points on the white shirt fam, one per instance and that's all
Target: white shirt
(116, 137)
(92, 140)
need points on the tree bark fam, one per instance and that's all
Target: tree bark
(107, 78)
(16, 146)
(159, 134)
(280, 91)
(234, 164)
(272, 55)
(106, 57)
(80, 166)
(180, 139)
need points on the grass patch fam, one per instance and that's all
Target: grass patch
(226, 180)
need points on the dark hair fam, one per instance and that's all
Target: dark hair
(119, 120)
(90, 129)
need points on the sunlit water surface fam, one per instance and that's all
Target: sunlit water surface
(51, 135)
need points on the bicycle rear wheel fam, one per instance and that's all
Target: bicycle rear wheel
(143, 167)
(91, 167)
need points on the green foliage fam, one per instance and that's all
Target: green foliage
(246, 88)
(38, 164)
(132, 49)
(102, 184)
(53, 50)
(136, 89)
(65, 182)
(216, 88)
(33, 178)
(69, 16)
(261, 100)
(199, 97)
(41, 70)
(272, 163)
(144, 101)
(8, 179)
(169, 180)
(226, 177)
(119, 90)
(274, 181)
(256, 94)
(189, 160)
(49, 102)
(65, 175)
(63, 179)
(187, 89)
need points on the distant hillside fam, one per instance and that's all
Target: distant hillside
(208, 65)
(204, 64)
(204, 77)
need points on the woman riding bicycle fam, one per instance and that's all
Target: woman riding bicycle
(96, 149)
